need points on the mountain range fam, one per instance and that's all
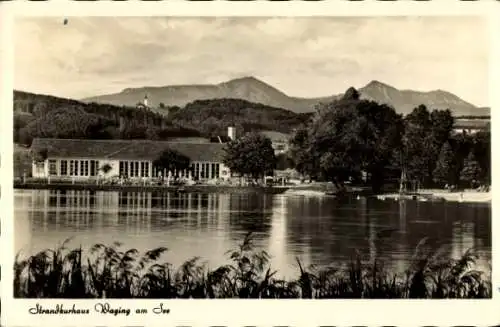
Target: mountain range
(254, 90)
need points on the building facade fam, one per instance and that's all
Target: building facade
(133, 159)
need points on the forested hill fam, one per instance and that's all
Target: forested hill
(214, 116)
(38, 115)
(48, 116)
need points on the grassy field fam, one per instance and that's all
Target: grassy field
(109, 272)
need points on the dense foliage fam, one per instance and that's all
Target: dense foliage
(213, 117)
(110, 272)
(471, 171)
(46, 116)
(251, 155)
(351, 137)
(171, 160)
(347, 137)
(444, 173)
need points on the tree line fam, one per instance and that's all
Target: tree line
(47, 116)
(360, 140)
(349, 139)
(214, 116)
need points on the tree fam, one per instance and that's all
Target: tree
(40, 155)
(481, 144)
(283, 162)
(251, 155)
(471, 172)
(445, 170)
(171, 160)
(425, 134)
(303, 159)
(351, 94)
(347, 137)
(106, 168)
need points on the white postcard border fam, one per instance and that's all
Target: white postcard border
(241, 312)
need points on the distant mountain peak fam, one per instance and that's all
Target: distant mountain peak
(244, 79)
(252, 89)
(378, 84)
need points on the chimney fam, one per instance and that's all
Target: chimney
(231, 132)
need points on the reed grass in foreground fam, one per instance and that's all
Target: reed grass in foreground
(108, 272)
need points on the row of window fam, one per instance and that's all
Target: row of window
(126, 169)
(206, 170)
(134, 169)
(73, 167)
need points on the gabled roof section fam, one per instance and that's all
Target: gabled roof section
(126, 149)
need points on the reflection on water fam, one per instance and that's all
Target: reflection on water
(317, 230)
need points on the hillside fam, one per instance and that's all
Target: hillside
(37, 115)
(257, 91)
(212, 117)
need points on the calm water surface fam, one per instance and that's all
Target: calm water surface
(318, 230)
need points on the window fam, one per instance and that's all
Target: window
(217, 170)
(136, 168)
(40, 168)
(64, 168)
(86, 168)
(82, 167)
(145, 169)
(52, 167)
(196, 170)
(123, 173)
(213, 171)
(131, 169)
(72, 168)
(202, 170)
(93, 167)
(126, 169)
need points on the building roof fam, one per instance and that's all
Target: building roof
(276, 136)
(220, 139)
(126, 149)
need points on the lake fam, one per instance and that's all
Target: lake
(317, 230)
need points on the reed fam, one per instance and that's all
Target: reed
(109, 272)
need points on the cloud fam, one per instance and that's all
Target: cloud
(302, 56)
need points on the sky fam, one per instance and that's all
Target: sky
(304, 57)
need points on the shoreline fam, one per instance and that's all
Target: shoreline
(468, 196)
(152, 188)
(442, 195)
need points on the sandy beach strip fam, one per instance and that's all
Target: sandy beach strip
(469, 196)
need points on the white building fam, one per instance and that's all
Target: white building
(81, 159)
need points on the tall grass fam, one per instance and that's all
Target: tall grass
(108, 272)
